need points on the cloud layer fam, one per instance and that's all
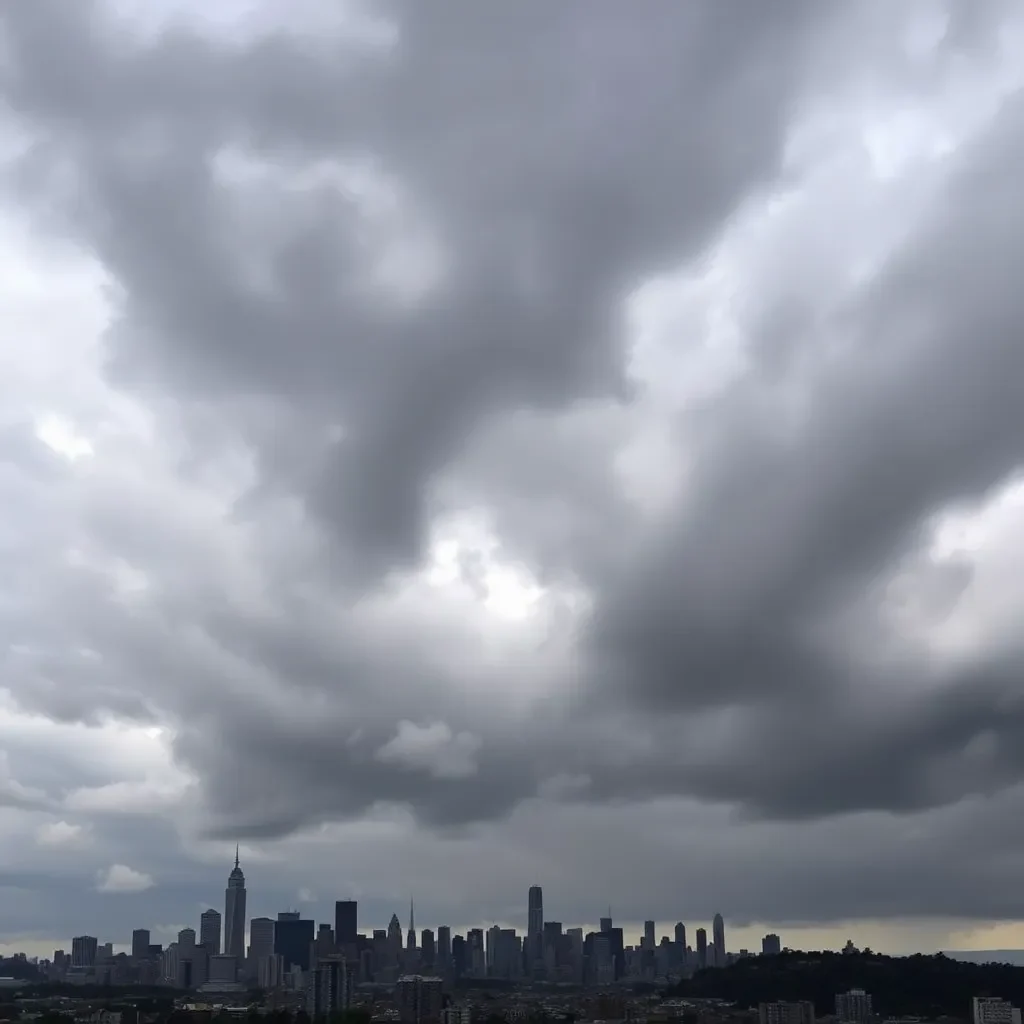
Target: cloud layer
(429, 429)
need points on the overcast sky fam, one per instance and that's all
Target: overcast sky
(453, 446)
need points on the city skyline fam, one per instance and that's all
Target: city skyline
(451, 447)
(343, 911)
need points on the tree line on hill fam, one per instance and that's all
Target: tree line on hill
(930, 986)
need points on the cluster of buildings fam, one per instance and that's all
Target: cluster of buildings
(853, 1007)
(325, 961)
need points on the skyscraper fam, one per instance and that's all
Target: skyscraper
(443, 959)
(83, 950)
(140, 944)
(345, 923)
(681, 934)
(234, 913)
(261, 938)
(535, 927)
(649, 939)
(209, 931)
(702, 948)
(718, 937)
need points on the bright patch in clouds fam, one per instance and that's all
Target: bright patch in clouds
(432, 748)
(119, 878)
(60, 833)
(465, 558)
(61, 436)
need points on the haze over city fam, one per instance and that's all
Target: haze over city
(451, 447)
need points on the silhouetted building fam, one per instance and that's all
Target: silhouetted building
(771, 945)
(702, 948)
(234, 913)
(346, 928)
(293, 940)
(140, 944)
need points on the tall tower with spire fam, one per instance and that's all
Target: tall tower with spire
(234, 914)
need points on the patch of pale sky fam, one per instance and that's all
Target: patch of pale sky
(243, 22)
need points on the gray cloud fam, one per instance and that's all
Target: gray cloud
(370, 291)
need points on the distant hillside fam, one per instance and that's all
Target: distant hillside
(930, 986)
(987, 956)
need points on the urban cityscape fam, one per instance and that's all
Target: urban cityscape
(292, 966)
(292, 953)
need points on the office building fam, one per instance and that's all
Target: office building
(140, 944)
(702, 948)
(209, 931)
(83, 950)
(420, 999)
(443, 957)
(293, 940)
(535, 928)
(786, 1013)
(346, 926)
(329, 988)
(853, 1007)
(261, 937)
(771, 945)
(718, 939)
(428, 950)
(990, 1010)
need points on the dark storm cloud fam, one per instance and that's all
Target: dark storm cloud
(744, 597)
(518, 134)
(557, 155)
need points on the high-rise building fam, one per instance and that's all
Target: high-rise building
(140, 944)
(702, 948)
(209, 931)
(83, 950)
(324, 941)
(329, 987)
(991, 1010)
(853, 1007)
(649, 938)
(443, 957)
(428, 950)
(261, 938)
(718, 937)
(293, 939)
(420, 999)
(680, 935)
(346, 926)
(786, 1013)
(535, 927)
(771, 945)
(606, 922)
(234, 913)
